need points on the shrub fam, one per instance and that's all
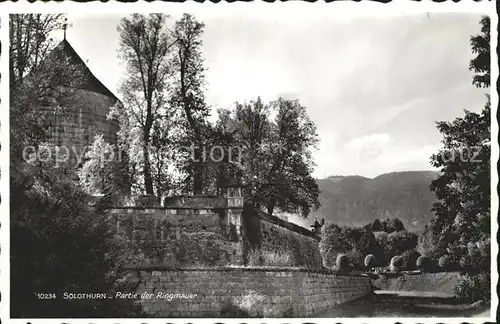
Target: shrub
(259, 258)
(277, 259)
(254, 304)
(62, 243)
(356, 260)
(475, 264)
(342, 263)
(444, 262)
(401, 241)
(381, 238)
(455, 252)
(423, 263)
(370, 261)
(474, 288)
(410, 258)
(334, 240)
(396, 263)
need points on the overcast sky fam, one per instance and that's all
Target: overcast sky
(373, 86)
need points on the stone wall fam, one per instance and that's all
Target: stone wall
(270, 233)
(177, 236)
(203, 230)
(210, 292)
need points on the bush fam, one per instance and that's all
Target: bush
(401, 241)
(259, 258)
(423, 263)
(410, 259)
(396, 263)
(474, 288)
(342, 263)
(444, 262)
(356, 260)
(60, 244)
(455, 252)
(254, 304)
(334, 240)
(370, 261)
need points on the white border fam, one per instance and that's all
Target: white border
(263, 9)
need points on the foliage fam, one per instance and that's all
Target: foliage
(30, 42)
(427, 242)
(370, 261)
(388, 225)
(275, 153)
(474, 288)
(356, 259)
(145, 47)
(39, 79)
(444, 262)
(463, 188)
(480, 64)
(334, 240)
(269, 258)
(476, 260)
(60, 244)
(382, 238)
(188, 98)
(396, 263)
(253, 304)
(200, 248)
(103, 171)
(357, 241)
(401, 241)
(410, 258)
(342, 262)
(425, 264)
(367, 243)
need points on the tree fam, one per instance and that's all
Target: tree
(463, 188)
(334, 240)
(480, 64)
(30, 42)
(401, 241)
(276, 154)
(41, 79)
(60, 244)
(145, 47)
(105, 170)
(188, 94)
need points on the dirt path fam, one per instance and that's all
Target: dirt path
(406, 304)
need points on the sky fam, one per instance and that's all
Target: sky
(374, 86)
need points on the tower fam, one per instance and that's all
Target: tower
(83, 116)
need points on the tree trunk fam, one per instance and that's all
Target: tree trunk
(198, 173)
(148, 180)
(270, 206)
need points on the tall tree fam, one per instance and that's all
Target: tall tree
(39, 78)
(30, 42)
(480, 64)
(276, 158)
(463, 189)
(145, 47)
(188, 90)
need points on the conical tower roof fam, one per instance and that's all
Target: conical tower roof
(90, 82)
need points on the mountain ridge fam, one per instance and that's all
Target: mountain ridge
(356, 200)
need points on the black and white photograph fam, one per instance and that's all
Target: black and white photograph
(204, 164)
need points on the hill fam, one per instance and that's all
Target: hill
(357, 201)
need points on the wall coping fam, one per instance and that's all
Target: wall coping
(161, 267)
(286, 224)
(171, 207)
